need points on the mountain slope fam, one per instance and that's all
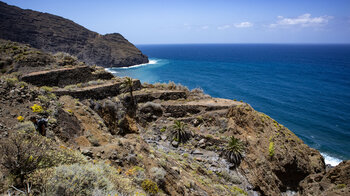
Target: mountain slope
(56, 34)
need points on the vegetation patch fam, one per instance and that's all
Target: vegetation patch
(271, 149)
(150, 187)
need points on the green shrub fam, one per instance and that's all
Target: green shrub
(25, 152)
(233, 151)
(70, 87)
(271, 149)
(150, 187)
(51, 96)
(46, 89)
(163, 129)
(79, 179)
(11, 82)
(340, 186)
(43, 99)
(238, 191)
(22, 153)
(62, 155)
(22, 84)
(26, 126)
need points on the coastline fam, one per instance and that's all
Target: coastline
(329, 159)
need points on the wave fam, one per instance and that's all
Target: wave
(330, 160)
(113, 69)
(151, 62)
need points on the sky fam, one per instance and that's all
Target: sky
(207, 21)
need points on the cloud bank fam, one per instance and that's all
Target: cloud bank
(304, 20)
(244, 25)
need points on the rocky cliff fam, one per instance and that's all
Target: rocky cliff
(56, 34)
(108, 135)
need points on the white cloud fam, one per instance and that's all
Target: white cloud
(224, 27)
(304, 20)
(244, 25)
(205, 27)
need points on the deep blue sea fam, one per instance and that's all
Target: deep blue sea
(304, 87)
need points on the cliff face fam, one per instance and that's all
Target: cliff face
(56, 34)
(145, 147)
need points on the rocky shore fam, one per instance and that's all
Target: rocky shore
(110, 135)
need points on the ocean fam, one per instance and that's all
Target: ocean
(304, 87)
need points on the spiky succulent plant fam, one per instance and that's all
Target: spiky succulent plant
(234, 150)
(179, 133)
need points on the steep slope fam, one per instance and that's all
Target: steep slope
(171, 142)
(56, 34)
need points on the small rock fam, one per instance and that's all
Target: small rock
(199, 159)
(87, 152)
(132, 159)
(176, 169)
(196, 152)
(202, 141)
(175, 143)
(163, 137)
(196, 122)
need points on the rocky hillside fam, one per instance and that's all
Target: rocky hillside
(56, 34)
(108, 135)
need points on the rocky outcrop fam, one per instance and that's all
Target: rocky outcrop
(336, 181)
(276, 159)
(56, 34)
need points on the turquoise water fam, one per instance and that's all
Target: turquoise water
(304, 87)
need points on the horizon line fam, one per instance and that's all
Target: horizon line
(245, 43)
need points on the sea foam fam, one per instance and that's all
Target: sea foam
(113, 69)
(151, 62)
(331, 160)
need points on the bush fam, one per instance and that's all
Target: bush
(64, 59)
(22, 153)
(197, 91)
(26, 126)
(150, 187)
(158, 175)
(37, 108)
(46, 89)
(271, 149)
(43, 99)
(22, 84)
(20, 118)
(11, 82)
(80, 179)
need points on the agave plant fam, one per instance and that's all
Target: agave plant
(233, 151)
(179, 133)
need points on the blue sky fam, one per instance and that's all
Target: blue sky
(207, 21)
